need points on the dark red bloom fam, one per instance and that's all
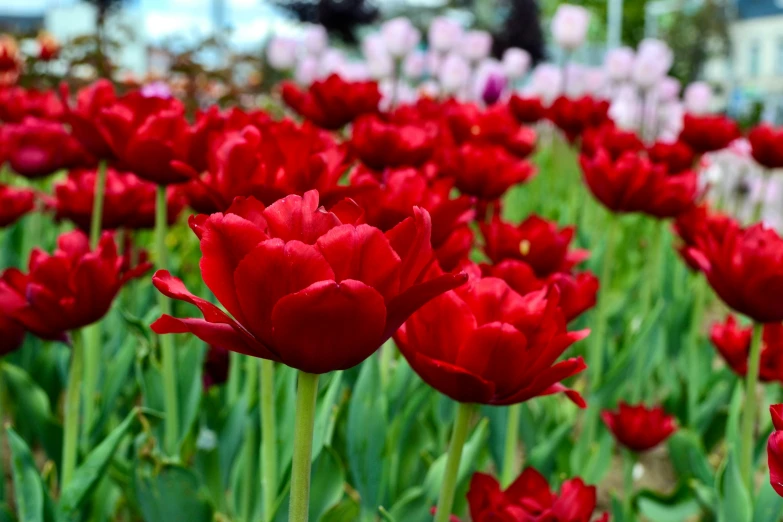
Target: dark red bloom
(527, 109)
(708, 133)
(38, 148)
(380, 144)
(49, 47)
(14, 203)
(388, 202)
(677, 156)
(573, 116)
(11, 334)
(767, 146)
(639, 428)
(484, 171)
(733, 344)
(536, 241)
(484, 343)
(10, 60)
(83, 117)
(615, 141)
(70, 289)
(216, 366)
(634, 184)
(493, 126)
(146, 135)
(17, 103)
(333, 102)
(129, 202)
(530, 499)
(697, 221)
(304, 287)
(745, 268)
(775, 449)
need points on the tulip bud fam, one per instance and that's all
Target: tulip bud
(454, 73)
(433, 61)
(306, 70)
(315, 39)
(476, 45)
(698, 97)
(157, 89)
(594, 80)
(331, 61)
(574, 79)
(281, 53)
(619, 63)
(414, 65)
(353, 71)
(653, 60)
(400, 36)
(489, 81)
(569, 26)
(429, 89)
(516, 62)
(444, 34)
(48, 47)
(669, 89)
(546, 82)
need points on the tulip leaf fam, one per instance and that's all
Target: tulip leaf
(326, 415)
(413, 506)
(190, 361)
(735, 501)
(88, 474)
(115, 379)
(173, 493)
(680, 505)
(348, 509)
(33, 503)
(769, 505)
(468, 463)
(689, 458)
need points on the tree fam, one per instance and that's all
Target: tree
(340, 17)
(102, 10)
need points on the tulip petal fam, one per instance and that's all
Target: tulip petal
(411, 240)
(495, 351)
(299, 218)
(453, 381)
(775, 460)
(214, 334)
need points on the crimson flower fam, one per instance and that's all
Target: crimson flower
(634, 184)
(677, 156)
(11, 334)
(10, 60)
(484, 171)
(494, 126)
(333, 102)
(304, 287)
(484, 343)
(129, 202)
(17, 103)
(775, 449)
(38, 148)
(639, 428)
(14, 203)
(527, 109)
(530, 499)
(733, 344)
(49, 47)
(216, 366)
(380, 144)
(766, 145)
(573, 116)
(708, 133)
(70, 289)
(695, 222)
(745, 268)
(146, 134)
(83, 117)
(536, 241)
(615, 141)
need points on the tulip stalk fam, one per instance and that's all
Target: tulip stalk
(92, 347)
(510, 451)
(268, 438)
(250, 442)
(306, 395)
(694, 371)
(72, 402)
(167, 353)
(629, 461)
(458, 438)
(749, 417)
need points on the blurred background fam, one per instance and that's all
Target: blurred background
(734, 45)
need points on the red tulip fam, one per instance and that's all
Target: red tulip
(530, 499)
(379, 144)
(492, 126)
(695, 222)
(615, 141)
(70, 289)
(10, 60)
(634, 184)
(573, 116)
(293, 276)
(775, 449)
(677, 156)
(38, 148)
(527, 110)
(129, 202)
(17, 103)
(484, 171)
(14, 203)
(333, 102)
(484, 343)
(733, 344)
(708, 133)
(11, 334)
(639, 428)
(147, 134)
(83, 117)
(745, 268)
(49, 47)
(535, 241)
(767, 146)
(216, 367)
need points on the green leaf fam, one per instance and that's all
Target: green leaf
(544, 453)
(735, 502)
(32, 500)
(190, 361)
(348, 509)
(689, 458)
(679, 506)
(174, 493)
(599, 461)
(117, 376)
(326, 413)
(87, 475)
(412, 506)
(769, 505)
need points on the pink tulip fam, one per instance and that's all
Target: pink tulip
(516, 62)
(619, 64)
(698, 97)
(569, 26)
(444, 34)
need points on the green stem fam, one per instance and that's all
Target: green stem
(449, 486)
(758, 210)
(167, 354)
(306, 396)
(749, 418)
(694, 347)
(629, 461)
(72, 399)
(650, 284)
(248, 494)
(96, 224)
(269, 439)
(512, 438)
(3, 399)
(234, 376)
(386, 355)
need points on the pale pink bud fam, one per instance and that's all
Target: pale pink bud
(546, 82)
(444, 34)
(619, 64)
(306, 70)
(454, 73)
(669, 89)
(315, 39)
(400, 36)
(281, 53)
(414, 65)
(476, 45)
(569, 26)
(516, 62)
(331, 61)
(653, 60)
(698, 98)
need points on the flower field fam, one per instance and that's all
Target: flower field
(421, 285)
